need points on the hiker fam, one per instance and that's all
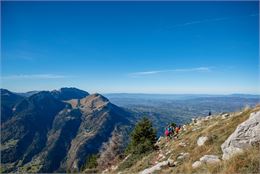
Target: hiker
(173, 125)
(168, 131)
(171, 129)
(177, 129)
(209, 113)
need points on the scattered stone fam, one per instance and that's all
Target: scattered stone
(210, 159)
(208, 118)
(170, 151)
(183, 156)
(176, 163)
(114, 167)
(158, 166)
(245, 135)
(196, 128)
(161, 156)
(199, 122)
(224, 116)
(105, 171)
(171, 163)
(194, 120)
(184, 128)
(158, 142)
(196, 164)
(202, 140)
(182, 144)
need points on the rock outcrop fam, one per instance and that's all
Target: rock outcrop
(245, 135)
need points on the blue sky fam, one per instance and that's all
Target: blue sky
(144, 47)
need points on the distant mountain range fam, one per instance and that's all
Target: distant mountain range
(174, 96)
(56, 131)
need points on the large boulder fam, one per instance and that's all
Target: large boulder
(245, 135)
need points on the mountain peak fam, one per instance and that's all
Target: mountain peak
(68, 93)
(94, 101)
(5, 92)
(97, 96)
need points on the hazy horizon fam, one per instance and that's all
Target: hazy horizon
(131, 47)
(136, 93)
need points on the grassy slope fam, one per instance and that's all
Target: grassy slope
(218, 130)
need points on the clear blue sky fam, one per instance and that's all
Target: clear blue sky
(146, 47)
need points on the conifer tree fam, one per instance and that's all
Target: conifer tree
(143, 137)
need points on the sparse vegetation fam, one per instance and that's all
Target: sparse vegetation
(217, 130)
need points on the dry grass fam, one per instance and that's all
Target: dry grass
(218, 130)
(247, 162)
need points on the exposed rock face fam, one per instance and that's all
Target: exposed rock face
(202, 140)
(99, 118)
(245, 135)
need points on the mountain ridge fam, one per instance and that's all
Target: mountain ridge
(46, 134)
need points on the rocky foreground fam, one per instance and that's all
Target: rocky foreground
(224, 143)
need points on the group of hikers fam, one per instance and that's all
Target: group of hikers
(172, 131)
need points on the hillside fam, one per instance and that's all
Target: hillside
(44, 133)
(199, 148)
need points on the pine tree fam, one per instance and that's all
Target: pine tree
(143, 137)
